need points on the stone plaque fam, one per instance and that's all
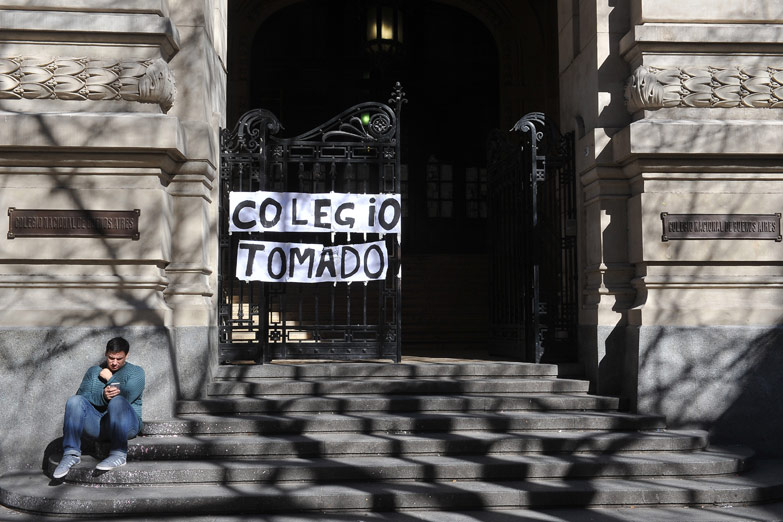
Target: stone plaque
(720, 226)
(123, 224)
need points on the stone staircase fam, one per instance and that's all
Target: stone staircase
(350, 438)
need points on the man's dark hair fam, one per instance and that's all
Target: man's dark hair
(118, 344)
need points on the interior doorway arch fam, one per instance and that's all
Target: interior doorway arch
(524, 32)
(462, 70)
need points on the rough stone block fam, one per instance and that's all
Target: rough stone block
(721, 378)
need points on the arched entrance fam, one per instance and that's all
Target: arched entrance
(461, 65)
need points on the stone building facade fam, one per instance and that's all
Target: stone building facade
(676, 106)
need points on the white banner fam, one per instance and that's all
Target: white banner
(320, 212)
(275, 262)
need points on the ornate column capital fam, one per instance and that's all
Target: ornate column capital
(652, 88)
(148, 81)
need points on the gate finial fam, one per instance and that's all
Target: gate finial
(250, 132)
(398, 97)
(528, 121)
(538, 124)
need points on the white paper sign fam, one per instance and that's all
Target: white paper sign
(275, 262)
(319, 212)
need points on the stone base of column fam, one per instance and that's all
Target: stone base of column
(722, 378)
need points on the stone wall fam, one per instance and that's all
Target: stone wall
(696, 330)
(592, 79)
(107, 105)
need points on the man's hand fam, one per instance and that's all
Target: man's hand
(110, 392)
(105, 375)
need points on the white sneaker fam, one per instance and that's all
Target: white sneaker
(66, 463)
(111, 462)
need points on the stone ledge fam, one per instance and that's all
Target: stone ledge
(38, 106)
(101, 139)
(712, 113)
(707, 11)
(84, 281)
(194, 289)
(92, 131)
(702, 137)
(158, 7)
(712, 281)
(91, 28)
(78, 177)
(674, 307)
(186, 186)
(74, 307)
(195, 268)
(681, 36)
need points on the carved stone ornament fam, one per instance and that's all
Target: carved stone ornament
(651, 88)
(149, 81)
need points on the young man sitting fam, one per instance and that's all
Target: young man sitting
(106, 407)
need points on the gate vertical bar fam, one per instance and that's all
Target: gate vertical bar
(534, 278)
(398, 99)
(537, 174)
(243, 167)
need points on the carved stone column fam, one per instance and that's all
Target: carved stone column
(706, 98)
(591, 90)
(107, 106)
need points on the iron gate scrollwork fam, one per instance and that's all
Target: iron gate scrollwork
(532, 216)
(357, 151)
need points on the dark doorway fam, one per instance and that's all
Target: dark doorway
(309, 60)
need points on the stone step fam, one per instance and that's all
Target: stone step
(266, 388)
(767, 512)
(358, 370)
(399, 444)
(426, 468)
(397, 403)
(373, 422)
(32, 491)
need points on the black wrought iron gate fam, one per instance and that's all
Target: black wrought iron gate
(358, 151)
(532, 216)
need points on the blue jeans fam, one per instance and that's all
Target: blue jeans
(117, 424)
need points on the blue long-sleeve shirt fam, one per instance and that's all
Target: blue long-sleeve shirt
(131, 379)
